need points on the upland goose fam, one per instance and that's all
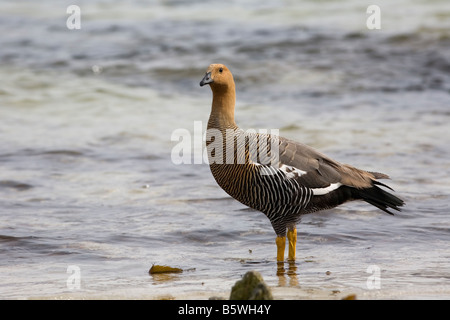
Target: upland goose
(294, 179)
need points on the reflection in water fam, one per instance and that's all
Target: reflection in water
(291, 273)
(163, 277)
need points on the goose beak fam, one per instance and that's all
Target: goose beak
(206, 79)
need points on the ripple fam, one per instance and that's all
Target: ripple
(17, 185)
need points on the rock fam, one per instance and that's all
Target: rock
(251, 287)
(216, 298)
(163, 269)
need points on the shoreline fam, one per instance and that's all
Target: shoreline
(279, 293)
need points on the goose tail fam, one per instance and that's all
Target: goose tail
(379, 198)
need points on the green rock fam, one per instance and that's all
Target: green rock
(251, 287)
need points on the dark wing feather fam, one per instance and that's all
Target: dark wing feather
(321, 171)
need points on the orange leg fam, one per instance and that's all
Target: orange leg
(292, 238)
(281, 245)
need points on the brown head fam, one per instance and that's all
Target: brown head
(218, 77)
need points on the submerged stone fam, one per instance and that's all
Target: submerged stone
(251, 287)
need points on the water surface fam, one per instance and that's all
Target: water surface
(86, 177)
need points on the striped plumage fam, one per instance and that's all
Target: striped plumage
(301, 181)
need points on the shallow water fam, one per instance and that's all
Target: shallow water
(87, 182)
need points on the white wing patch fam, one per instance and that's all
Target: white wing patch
(322, 191)
(292, 172)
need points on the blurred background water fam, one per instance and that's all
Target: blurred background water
(86, 118)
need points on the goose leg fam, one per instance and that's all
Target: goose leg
(292, 238)
(281, 245)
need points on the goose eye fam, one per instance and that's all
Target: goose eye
(221, 70)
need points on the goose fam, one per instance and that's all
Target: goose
(297, 180)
